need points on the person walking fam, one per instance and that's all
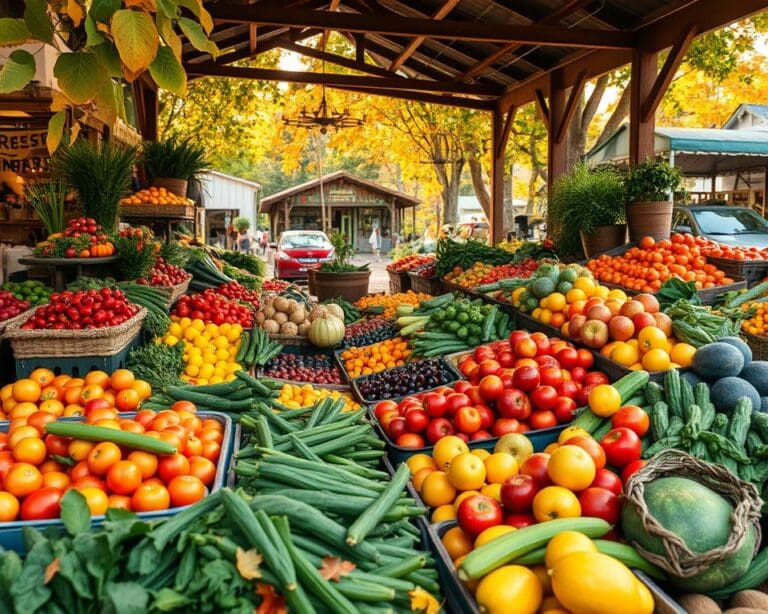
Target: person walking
(264, 242)
(375, 241)
(245, 242)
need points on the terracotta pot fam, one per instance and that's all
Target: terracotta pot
(350, 286)
(176, 186)
(649, 219)
(603, 238)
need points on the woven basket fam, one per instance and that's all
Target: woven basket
(158, 211)
(21, 318)
(426, 285)
(92, 342)
(399, 281)
(290, 339)
(758, 344)
(176, 186)
(173, 293)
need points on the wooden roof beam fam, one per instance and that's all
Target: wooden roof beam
(413, 27)
(666, 74)
(570, 106)
(398, 83)
(450, 101)
(408, 50)
(333, 6)
(338, 60)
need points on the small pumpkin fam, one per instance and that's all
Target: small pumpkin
(326, 331)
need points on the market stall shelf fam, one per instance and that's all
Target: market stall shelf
(62, 267)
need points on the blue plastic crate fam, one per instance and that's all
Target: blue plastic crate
(77, 366)
(11, 532)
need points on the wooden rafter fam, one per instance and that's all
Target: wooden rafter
(408, 50)
(212, 69)
(542, 106)
(566, 9)
(571, 105)
(667, 73)
(338, 60)
(509, 119)
(451, 101)
(334, 5)
(407, 26)
(360, 48)
(253, 37)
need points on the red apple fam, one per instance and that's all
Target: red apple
(631, 308)
(664, 322)
(595, 300)
(650, 302)
(599, 312)
(614, 305)
(575, 325)
(621, 328)
(536, 466)
(515, 336)
(641, 320)
(517, 493)
(594, 333)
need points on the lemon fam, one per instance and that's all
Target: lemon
(215, 380)
(195, 361)
(212, 329)
(201, 381)
(175, 330)
(206, 371)
(221, 343)
(171, 340)
(192, 370)
(225, 328)
(198, 324)
(200, 342)
(191, 334)
(232, 367)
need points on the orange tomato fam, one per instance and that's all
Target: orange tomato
(499, 467)
(127, 400)
(418, 478)
(211, 450)
(23, 409)
(119, 502)
(43, 377)
(20, 433)
(30, 450)
(98, 378)
(555, 502)
(193, 447)
(51, 392)
(202, 468)
(210, 423)
(95, 498)
(656, 359)
(124, 477)
(91, 391)
(150, 497)
(22, 479)
(79, 471)
(437, 489)
(130, 426)
(192, 425)
(142, 388)
(171, 465)
(60, 381)
(101, 414)
(572, 467)
(122, 379)
(467, 472)
(73, 409)
(9, 507)
(145, 461)
(72, 395)
(90, 481)
(457, 542)
(590, 446)
(52, 406)
(185, 490)
(50, 465)
(56, 479)
(184, 406)
(144, 417)
(214, 435)
(652, 337)
(102, 456)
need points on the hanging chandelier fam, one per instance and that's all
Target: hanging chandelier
(324, 117)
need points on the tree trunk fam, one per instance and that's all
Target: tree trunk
(509, 202)
(450, 182)
(617, 117)
(479, 184)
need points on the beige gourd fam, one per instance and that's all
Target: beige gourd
(326, 331)
(335, 310)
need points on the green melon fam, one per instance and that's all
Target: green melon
(701, 517)
(541, 287)
(546, 270)
(569, 274)
(564, 287)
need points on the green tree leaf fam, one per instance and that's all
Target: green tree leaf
(136, 38)
(13, 31)
(168, 73)
(169, 8)
(196, 6)
(17, 71)
(168, 34)
(109, 59)
(79, 75)
(93, 36)
(199, 39)
(102, 10)
(74, 510)
(36, 18)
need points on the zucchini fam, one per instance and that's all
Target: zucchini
(751, 294)
(588, 420)
(659, 420)
(359, 529)
(245, 340)
(488, 324)
(630, 384)
(88, 432)
(209, 400)
(510, 546)
(672, 390)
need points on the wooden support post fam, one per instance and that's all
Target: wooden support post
(413, 219)
(641, 132)
(360, 48)
(557, 159)
(151, 112)
(713, 187)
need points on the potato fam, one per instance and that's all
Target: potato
(280, 317)
(750, 599)
(694, 603)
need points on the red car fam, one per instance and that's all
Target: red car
(298, 249)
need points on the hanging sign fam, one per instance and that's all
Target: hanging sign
(19, 144)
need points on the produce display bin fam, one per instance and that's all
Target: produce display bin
(754, 271)
(399, 281)
(306, 350)
(340, 363)
(460, 601)
(758, 344)
(11, 532)
(77, 366)
(174, 293)
(428, 285)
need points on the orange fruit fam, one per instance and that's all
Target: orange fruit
(651, 338)
(682, 354)
(437, 489)
(499, 467)
(122, 379)
(571, 467)
(42, 376)
(418, 478)
(99, 378)
(26, 390)
(492, 533)
(604, 400)
(467, 472)
(419, 461)
(142, 388)
(443, 513)
(446, 449)
(656, 360)
(457, 542)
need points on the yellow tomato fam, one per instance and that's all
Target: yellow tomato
(571, 467)
(492, 533)
(555, 502)
(509, 584)
(604, 400)
(437, 490)
(652, 337)
(467, 472)
(572, 431)
(443, 513)
(499, 467)
(682, 354)
(446, 449)
(457, 542)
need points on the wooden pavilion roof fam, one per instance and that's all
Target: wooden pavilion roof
(481, 54)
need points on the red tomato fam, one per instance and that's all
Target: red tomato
(544, 397)
(551, 376)
(517, 493)
(514, 403)
(488, 367)
(460, 386)
(477, 513)
(519, 521)
(622, 446)
(586, 359)
(526, 378)
(435, 404)
(396, 428)
(383, 406)
(502, 426)
(631, 468)
(568, 389)
(542, 420)
(595, 377)
(438, 428)
(564, 408)
(42, 504)
(169, 466)
(605, 478)
(578, 374)
(410, 440)
(632, 417)
(600, 503)
(416, 420)
(468, 420)
(490, 388)
(506, 359)
(474, 395)
(536, 467)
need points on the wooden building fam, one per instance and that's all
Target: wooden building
(353, 205)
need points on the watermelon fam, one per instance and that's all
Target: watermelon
(701, 518)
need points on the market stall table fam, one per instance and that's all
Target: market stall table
(61, 265)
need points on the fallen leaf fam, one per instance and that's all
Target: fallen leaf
(247, 563)
(51, 570)
(334, 568)
(271, 602)
(422, 601)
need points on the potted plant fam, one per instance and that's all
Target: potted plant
(587, 210)
(101, 174)
(339, 277)
(651, 186)
(171, 163)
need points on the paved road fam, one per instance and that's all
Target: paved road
(379, 277)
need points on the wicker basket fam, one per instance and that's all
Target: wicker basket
(290, 339)
(758, 344)
(173, 293)
(399, 281)
(752, 270)
(426, 285)
(158, 211)
(92, 342)
(176, 186)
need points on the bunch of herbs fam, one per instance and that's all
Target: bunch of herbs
(47, 199)
(173, 159)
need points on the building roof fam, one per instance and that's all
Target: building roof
(401, 198)
(255, 185)
(758, 110)
(697, 151)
